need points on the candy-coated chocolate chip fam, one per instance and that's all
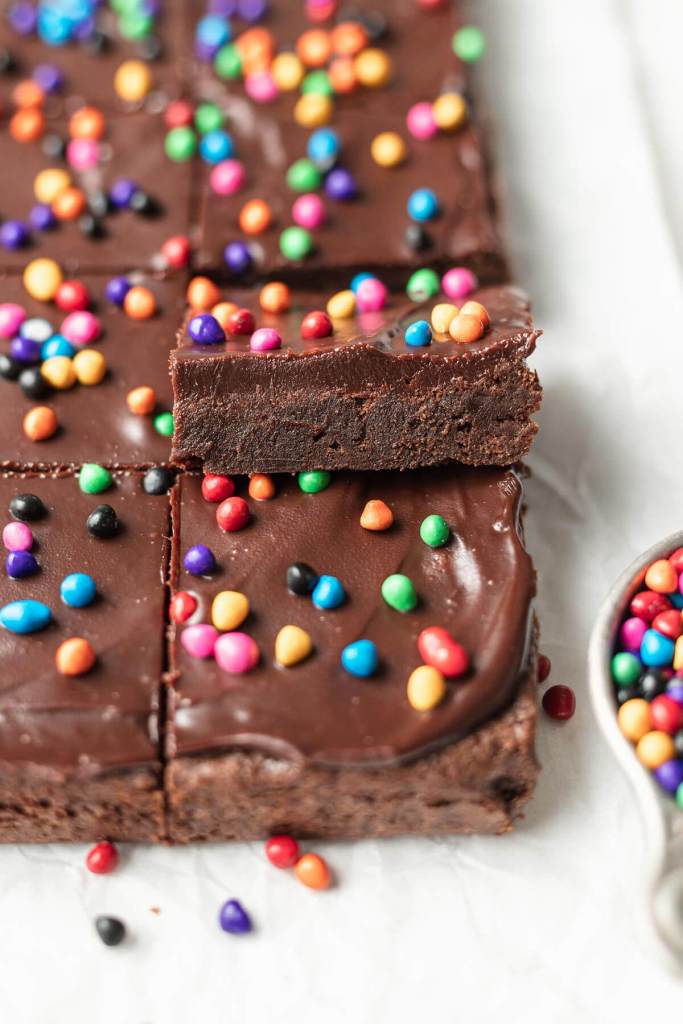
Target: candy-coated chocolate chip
(103, 522)
(23, 617)
(312, 871)
(426, 687)
(328, 593)
(233, 514)
(282, 851)
(75, 657)
(399, 593)
(94, 479)
(217, 488)
(27, 507)
(314, 481)
(158, 480)
(237, 653)
(360, 658)
(78, 590)
(234, 919)
(102, 859)
(438, 648)
(182, 607)
(229, 609)
(199, 560)
(199, 640)
(301, 579)
(559, 702)
(111, 930)
(292, 645)
(625, 668)
(435, 531)
(376, 516)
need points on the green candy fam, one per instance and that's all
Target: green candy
(317, 82)
(135, 24)
(303, 176)
(314, 481)
(469, 44)
(626, 669)
(208, 118)
(399, 593)
(94, 479)
(423, 284)
(163, 424)
(296, 243)
(180, 144)
(434, 531)
(679, 796)
(227, 62)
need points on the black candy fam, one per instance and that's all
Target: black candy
(9, 368)
(54, 147)
(301, 578)
(678, 743)
(97, 43)
(157, 480)
(110, 930)
(150, 49)
(98, 204)
(32, 383)
(103, 522)
(652, 683)
(143, 204)
(26, 507)
(416, 238)
(625, 693)
(90, 226)
(7, 62)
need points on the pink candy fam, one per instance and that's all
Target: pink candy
(17, 537)
(308, 211)
(371, 295)
(236, 652)
(458, 282)
(265, 339)
(199, 640)
(227, 177)
(420, 121)
(80, 328)
(12, 317)
(83, 154)
(632, 632)
(261, 87)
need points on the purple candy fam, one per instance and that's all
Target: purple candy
(13, 234)
(670, 775)
(233, 918)
(225, 8)
(237, 257)
(84, 29)
(25, 350)
(675, 690)
(41, 217)
(203, 52)
(205, 330)
(49, 77)
(23, 18)
(252, 10)
(199, 560)
(116, 290)
(19, 564)
(121, 193)
(340, 185)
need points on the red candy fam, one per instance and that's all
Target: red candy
(438, 649)
(72, 296)
(559, 702)
(217, 488)
(241, 322)
(176, 251)
(646, 604)
(183, 606)
(667, 714)
(677, 559)
(669, 623)
(282, 851)
(233, 514)
(178, 114)
(316, 325)
(544, 667)
(102, 859)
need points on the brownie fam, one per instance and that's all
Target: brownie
(315, 750)
(360, 399)
(95, 423)
(132, 149)
(367, 232)
(79, 755)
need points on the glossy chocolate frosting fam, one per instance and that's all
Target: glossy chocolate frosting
(479, 586)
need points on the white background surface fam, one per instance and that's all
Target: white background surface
(535, 927)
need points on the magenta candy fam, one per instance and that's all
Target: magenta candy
(17, 537)
(12, 317)
(420, 121)
(261, 87)
(227, 177)
(199, 640)
(265, 339)
(458, 282)
(80, 328)
(680, 583)
(236, 652)
(308, 211)
(371, 295)
(83, 154)
(632, 632)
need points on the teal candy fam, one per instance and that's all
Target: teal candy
(25, 616)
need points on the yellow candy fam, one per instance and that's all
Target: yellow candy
(132, 81)
(449, 111)
(90, 366)
(443, 315)
(388, 149)
(342, 305)
(50, 184)
(654, 748)
(678, 655)
(635, 719)
(292, 645)
(287, 71)
(373, 68)
(229, 610)
(426, 688)
(59, 372)
(313, 110)
(42, 278)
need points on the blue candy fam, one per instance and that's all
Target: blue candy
(418, 334)
(323, 148)
(213, 31)
(19, 564)
(57, 346)
(423, 205)
(216, 146)
(656, 650)
(78, 590)
(360, 658)
(205, 330)
(676, 600)
(25, 616)
(328, 593)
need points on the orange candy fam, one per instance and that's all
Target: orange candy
(256, 48)
(465, 328)
(202, 293)
(40, 423)
(255, 217)
(87, 123)
(141, 401)
(342, 75)
(261, 487)
(376, 516)
(314, 47)
(661, 577)
(223, 311)
(27, 125)
(139, 303)
(349, 38)
(275, 297)
(28, 94)
(473, 308)
(74, 657)
(312, 870)
(69, 204)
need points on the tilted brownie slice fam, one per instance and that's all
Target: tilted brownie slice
(360, 398)
(304, 741)
(79, 754)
